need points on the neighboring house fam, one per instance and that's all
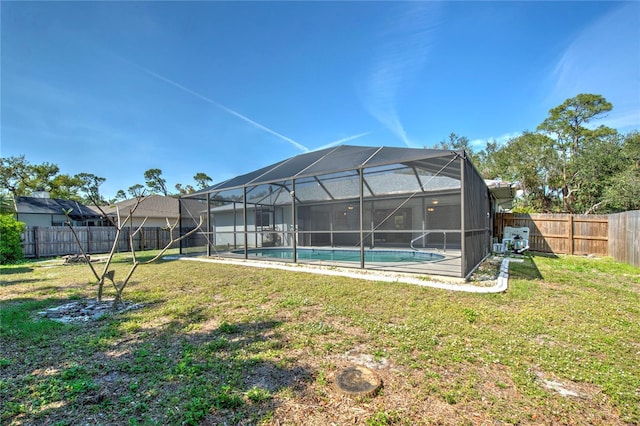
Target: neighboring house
(156, 208)
(40, 210)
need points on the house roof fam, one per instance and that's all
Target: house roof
(38, 205)
(153, 206)
(340, 159)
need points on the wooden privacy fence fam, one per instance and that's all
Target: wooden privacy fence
(48, 241)
(561, 233)
(624, 237)
(616, 235)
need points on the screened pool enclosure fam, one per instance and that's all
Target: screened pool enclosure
(392, 209)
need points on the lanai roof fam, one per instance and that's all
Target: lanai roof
(344, 189)
(341, 159)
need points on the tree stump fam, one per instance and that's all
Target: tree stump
(358, 381)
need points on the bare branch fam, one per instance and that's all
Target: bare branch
(118, 214)
(139, 199)
(119, 226)
(140, 226)
(595, 207)
(114, 246)
(175, 240)
(75, 235)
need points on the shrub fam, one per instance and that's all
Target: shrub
(10, 246)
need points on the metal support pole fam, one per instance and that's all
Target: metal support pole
(373, 225)
(180, 230)
(424, 222)
(244, 221)
(208, 224)
(257, 213)
(235, 227)
(463, 235)
(331, 213)
(294, 230)
(361, 174)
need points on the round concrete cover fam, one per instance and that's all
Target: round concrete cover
(358, 381)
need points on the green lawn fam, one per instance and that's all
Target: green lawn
(219, 344)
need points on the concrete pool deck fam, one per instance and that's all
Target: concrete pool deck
(448, 268)
(444, 283)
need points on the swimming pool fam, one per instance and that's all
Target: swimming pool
(344, 255)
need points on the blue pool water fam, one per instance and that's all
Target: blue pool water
(344, 255)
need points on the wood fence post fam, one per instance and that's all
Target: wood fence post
(571, 246)
(36, 244)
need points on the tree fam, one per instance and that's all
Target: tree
(623, 193)
(41, 177)
(119, 225)
(488, 161)
(454, 142)
(594, 169)
(21, 178)
(568, 164)
(202, 180)
(186, 190)
(531, 161)
(14, 174)
(155, 182)
(65, 187)
(457, 143)
(121, 195)
(136, 190)
(10, 235)
(566, 126)
(7, 203)
(90, 185)
(566, 121)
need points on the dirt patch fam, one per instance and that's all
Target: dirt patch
(269, 377)
(86, 310)
(488, 270)
(566, 388)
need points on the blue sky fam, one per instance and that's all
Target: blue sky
(117, 88)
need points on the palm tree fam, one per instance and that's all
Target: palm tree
(7, 205)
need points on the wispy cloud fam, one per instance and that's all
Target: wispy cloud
(218, 104)
(402, 55)
(587, 65)
(628, 119)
